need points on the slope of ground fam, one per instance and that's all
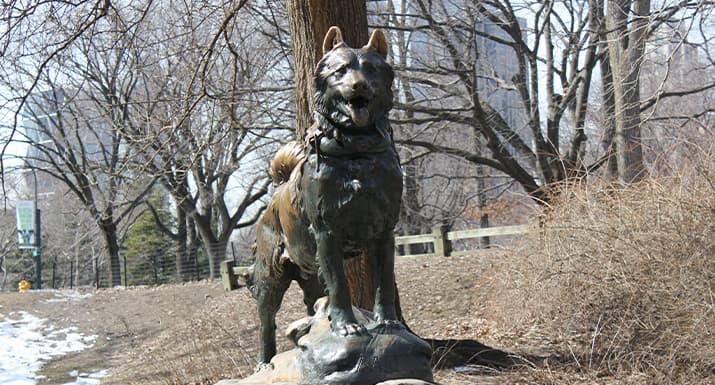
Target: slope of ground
(122, 319)
(615, 288)
(196, 333)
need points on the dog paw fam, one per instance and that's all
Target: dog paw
(263, 366)
(390, 325)
(351, 330)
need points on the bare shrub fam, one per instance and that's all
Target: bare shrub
(624, 277)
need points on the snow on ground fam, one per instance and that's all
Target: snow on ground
(68, 296)
(87, 379)
(27, 342)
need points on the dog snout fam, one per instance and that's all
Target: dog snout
(361, 87)
(357, 83)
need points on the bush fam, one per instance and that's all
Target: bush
(625, 277)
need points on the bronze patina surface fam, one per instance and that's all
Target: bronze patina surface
(337, 196)
(383, 355)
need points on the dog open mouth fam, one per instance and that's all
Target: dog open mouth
(358, 107)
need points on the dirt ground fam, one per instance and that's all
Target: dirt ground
(122, 319)
(196, 333)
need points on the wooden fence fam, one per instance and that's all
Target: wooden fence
(440, 238)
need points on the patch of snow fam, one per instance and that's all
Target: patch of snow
(87, 379)
(26, 343)
(67, 296)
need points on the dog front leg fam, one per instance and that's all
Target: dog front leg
(269, 301)
(330, 259)
(384, 262)
(312, 290)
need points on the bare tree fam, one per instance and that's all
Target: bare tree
(470, 65)
(199, 127)
(626, 48)
(36, 25)
(81, 146)
(186, 106)
(461, 90)
(67, 66)
(657, 43)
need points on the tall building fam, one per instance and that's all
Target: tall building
(668, 50)
(40, 117)
(500, 61)
(440, 65)
(57, 126)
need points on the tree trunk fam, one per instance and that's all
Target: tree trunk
(216, 253)
(180, 254)
(215, 249)
(183, 255)
(192, 244)
(484, 242)
(309, 21)
(609, 113)
(109, 230)
(626, 47)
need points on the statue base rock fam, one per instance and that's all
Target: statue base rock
(388, 354)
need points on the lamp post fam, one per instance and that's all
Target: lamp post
(37, 251)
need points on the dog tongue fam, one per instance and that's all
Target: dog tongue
(360, 116)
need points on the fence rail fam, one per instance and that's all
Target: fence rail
(440, 238)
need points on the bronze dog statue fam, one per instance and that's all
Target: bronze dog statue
(337, 195)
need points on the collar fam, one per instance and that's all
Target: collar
(326, 137)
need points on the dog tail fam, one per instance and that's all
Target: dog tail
(286, 159)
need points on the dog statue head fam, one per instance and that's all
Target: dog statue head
(353, 86)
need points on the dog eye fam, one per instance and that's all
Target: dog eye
(368, 68)
(341, 70)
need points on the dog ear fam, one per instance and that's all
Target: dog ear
(333, 39)
(378, 42)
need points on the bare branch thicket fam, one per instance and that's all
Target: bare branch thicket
(678, 88)
(129, 101)
(74, 116)
(621, 277)
(58, 25)
(473, 94)
(467, 76)
(195, 135)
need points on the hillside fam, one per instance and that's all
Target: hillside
(196, 333)
(616, 288)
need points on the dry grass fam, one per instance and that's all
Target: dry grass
(618, 288)
(623, 279)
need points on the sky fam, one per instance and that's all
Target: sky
(27, 342)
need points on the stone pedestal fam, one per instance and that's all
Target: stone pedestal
(387, 354)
